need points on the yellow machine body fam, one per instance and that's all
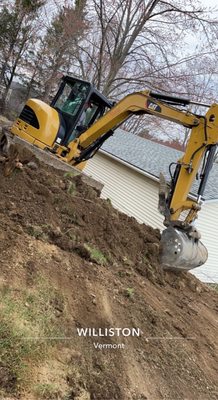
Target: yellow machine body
(49, 123)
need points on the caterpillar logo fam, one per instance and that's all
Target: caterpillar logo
(153, 106)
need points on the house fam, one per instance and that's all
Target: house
(129, 167)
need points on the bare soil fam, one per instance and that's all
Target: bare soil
(103, 268)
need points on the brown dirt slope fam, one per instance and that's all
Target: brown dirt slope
(69, 260)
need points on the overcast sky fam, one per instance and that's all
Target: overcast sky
(209, 3)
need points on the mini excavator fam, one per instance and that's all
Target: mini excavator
(79, 120)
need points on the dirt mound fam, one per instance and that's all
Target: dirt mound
(69, 261)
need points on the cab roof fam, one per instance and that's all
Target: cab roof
(93, 90)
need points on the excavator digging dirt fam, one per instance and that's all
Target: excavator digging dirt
(180, 247)
(78, 121)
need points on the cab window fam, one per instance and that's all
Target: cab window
(92, 111)
(72, 98)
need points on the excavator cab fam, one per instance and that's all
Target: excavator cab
(78, 105)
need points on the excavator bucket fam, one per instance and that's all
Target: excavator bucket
(181, 252)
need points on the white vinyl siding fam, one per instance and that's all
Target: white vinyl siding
(207, 223)
(135, 194)
(129, 191)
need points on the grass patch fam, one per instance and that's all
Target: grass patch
(109, 201)
(214, 286)
(27, 321)
(35, 231)
(70, 174)
(71, 188)
(96, 255)
(129, 292)
(46, 391)
(39, 232)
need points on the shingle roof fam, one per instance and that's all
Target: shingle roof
(153, 158)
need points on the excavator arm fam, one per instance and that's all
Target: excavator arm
(181, 245)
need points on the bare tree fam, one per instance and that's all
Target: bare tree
(16, 32)
(57, 47)
(137, 43)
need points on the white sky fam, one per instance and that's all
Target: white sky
(209, 3)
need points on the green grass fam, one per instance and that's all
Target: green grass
(14, 350)
(71, 188)
(129, 292)
(109, 201)
(70, 174)
(214, 286)
(27, 320)
(46, 391)
(96, 255)
(71, 185)
(39, 232)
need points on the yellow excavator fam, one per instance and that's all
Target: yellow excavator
(78, 121)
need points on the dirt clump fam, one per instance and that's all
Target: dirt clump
(71, 262)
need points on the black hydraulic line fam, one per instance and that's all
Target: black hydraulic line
(174, 178)
(208, 166)
(89, 151)
(93, 147)
(170, 169)
(176, 100)
(170, 99)
(195, 152)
